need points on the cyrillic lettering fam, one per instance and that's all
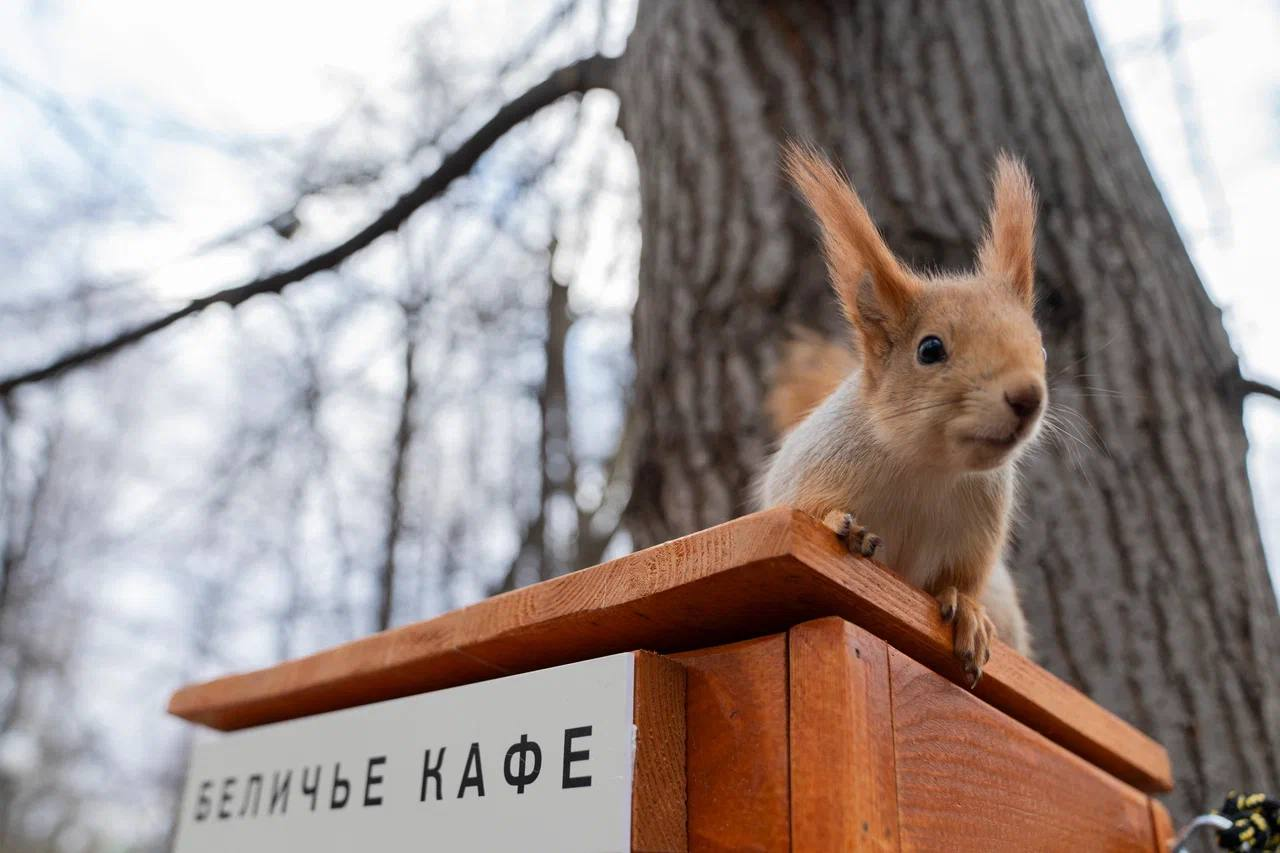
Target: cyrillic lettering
(470, 779)
(524, 775)
(312, 789)
(204, 805)
(228, 794)
(571, 756)
(255, 785)
(429, 772)
(370, 780)
(338, 781)
(279, 792)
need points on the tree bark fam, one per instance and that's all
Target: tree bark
(1140, 558)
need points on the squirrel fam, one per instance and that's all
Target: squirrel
(914, 430)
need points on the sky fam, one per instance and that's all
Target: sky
(203, 103)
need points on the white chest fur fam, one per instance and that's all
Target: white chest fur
(928, 521)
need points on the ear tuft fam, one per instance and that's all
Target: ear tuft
(854, 249)
(1008, 248)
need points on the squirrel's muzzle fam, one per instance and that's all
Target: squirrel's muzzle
(1025, 401)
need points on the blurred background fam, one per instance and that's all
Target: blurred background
(441, 417)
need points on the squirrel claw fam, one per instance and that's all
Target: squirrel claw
(973, 631)
(947, 604)
(857, 538)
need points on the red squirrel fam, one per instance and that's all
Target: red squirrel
(914, 430)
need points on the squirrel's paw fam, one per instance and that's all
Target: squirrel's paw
(973, 629)
(859, 539)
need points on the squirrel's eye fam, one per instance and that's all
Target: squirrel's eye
(931, 350)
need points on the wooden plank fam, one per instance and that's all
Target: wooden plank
(907, 618)
(1162, 827)
(736, 746)
(658, 797)
(684, 594)
(843, 783)
(972, 779)
(756, 575)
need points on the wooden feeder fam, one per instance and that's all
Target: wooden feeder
(799, 699)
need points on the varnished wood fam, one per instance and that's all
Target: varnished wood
(972, 779)
(758, 574)
(658, 797)
(1162, 827)
(843, 783)
(908, 619)
(736, 742)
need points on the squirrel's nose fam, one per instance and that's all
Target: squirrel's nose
(1025, 400)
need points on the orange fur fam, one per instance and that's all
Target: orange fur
(1008, 247)
(875, 290)
(811, 368)
(923, 453)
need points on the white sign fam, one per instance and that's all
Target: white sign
(540, 761)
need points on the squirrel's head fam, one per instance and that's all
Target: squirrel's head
(953, 368)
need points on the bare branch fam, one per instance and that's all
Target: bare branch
(591, 73)
(1253, 386)
(399, 464)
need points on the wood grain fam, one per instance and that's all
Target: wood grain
(972, 779)
(843, 782)
(658, 816)
(907, 618)
(736, 747)
(1162, 827)
(756, 575)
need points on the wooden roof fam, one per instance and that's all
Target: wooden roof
(748, 577)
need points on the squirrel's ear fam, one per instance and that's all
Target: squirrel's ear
(874, 289)
(1008, 249)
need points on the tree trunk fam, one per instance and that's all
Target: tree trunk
(1140, 559)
